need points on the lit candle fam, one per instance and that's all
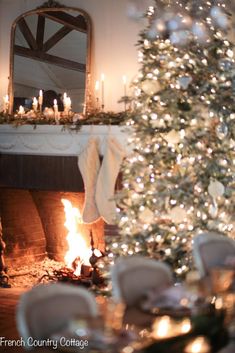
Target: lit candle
(162, 327)
(35, 104)
(198, 345)
(6, 103)
(55, 106)
(21, 111)
(97, 87)
(102, 91)
(40, 99)
(165, 327)
(68, 103)
(64, 99)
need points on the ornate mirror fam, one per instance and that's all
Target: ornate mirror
(50, 52)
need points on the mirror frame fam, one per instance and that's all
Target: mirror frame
(52, 5)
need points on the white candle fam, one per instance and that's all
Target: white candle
(6, 103)
(64, 96)
(40, 98)
(102, 91)
(55, 106)
(35, 104)
(198, 345)
(97, 87)
(69, 103)
(21, 110)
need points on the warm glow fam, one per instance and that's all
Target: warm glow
(6, 99)
(97, 86)
(165, 327)
(77, 245)
(198, 345)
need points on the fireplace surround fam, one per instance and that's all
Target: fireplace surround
(38, 168)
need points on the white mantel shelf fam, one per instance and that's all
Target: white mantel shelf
(51, 140)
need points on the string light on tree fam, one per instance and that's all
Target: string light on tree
(179, 180)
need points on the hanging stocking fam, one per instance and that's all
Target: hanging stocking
(109, 170)
(89, 165)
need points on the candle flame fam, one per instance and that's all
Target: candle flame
(198, 345)
(6, 98)
(97, 85)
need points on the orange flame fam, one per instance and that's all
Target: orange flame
(77, 245)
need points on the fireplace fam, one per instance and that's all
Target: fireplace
(34, 225)
(40, 187)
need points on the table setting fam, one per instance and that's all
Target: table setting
(181, 319)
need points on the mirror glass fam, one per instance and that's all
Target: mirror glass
(50, 53)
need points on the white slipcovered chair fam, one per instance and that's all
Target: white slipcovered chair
(46, 309)
(133, 277)
(212, 250)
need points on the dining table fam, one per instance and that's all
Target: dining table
(134, 334)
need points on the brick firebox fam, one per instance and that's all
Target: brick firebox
(32, 212)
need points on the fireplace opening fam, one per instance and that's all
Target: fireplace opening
(44, 233)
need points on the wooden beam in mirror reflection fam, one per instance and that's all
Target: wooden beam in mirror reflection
(77, 23)
(40, 31)
(51, 59)
(27, 34)
(60, 34)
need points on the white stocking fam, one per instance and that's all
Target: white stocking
(89, 165)
(105, 186)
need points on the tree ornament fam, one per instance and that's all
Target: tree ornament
(216, 189)
(177, 214)
(219, 17)
(213, 209)
(226, 65)
(179, 38)
(184, 81)
(200, 32)
(173, 137)
(146, 216)
(150, 86)
(222, 131)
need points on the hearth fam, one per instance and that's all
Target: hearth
(41, 186)
(47, 224)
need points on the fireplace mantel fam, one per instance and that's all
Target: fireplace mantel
(52, 140)
(45, 157)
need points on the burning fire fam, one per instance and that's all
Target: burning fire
(79, 252)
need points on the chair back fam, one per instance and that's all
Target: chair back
(46, 309)
(211, 250)
(134, 276)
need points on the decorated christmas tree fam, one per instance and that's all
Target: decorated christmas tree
(179, 180)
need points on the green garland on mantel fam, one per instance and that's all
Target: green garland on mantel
(73, 121)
